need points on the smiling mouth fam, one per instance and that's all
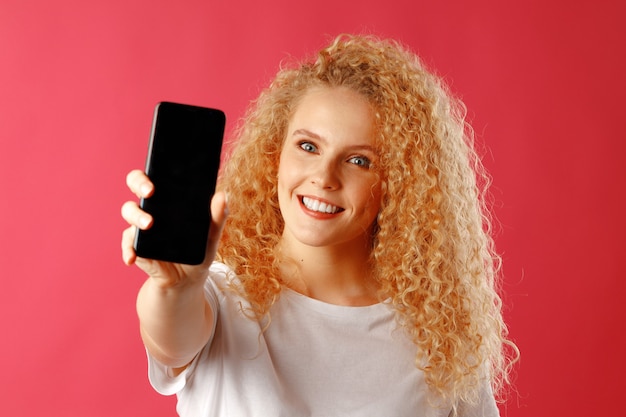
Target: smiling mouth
(319, 206)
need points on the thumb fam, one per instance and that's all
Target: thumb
(219, 213)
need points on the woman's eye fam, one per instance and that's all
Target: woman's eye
(308, 147)
(360, 161)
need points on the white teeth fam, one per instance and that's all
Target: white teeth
(316, 205)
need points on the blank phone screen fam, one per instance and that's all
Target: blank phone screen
(183, 163)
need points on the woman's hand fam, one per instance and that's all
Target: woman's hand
(167, 274)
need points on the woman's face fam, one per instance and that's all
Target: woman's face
(328, 190)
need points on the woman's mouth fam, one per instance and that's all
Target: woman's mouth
(319, 206)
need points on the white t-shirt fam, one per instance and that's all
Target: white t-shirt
(314, 359)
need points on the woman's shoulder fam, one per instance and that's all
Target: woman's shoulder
(219, 271)
(220, 281)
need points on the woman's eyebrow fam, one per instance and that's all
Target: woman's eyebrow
(308, 133)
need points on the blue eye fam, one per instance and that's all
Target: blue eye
(360, 161)
(308, 147)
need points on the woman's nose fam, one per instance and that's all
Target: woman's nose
(326, 176)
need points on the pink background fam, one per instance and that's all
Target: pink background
(544, 83)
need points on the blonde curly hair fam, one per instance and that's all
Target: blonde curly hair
(432, 252)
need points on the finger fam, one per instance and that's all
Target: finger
(135, 216)
(128, 251)
(139, 183)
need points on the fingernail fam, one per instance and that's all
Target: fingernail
(145, 189)
(144, 222)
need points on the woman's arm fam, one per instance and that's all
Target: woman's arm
(175, 318)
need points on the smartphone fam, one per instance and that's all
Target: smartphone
(183, 163)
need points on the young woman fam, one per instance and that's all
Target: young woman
(355, 273)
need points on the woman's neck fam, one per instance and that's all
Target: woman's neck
(337, 275)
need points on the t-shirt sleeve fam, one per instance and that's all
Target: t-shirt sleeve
(485, 406)
(162, 377)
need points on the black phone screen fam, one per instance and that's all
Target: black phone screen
(183, 163)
